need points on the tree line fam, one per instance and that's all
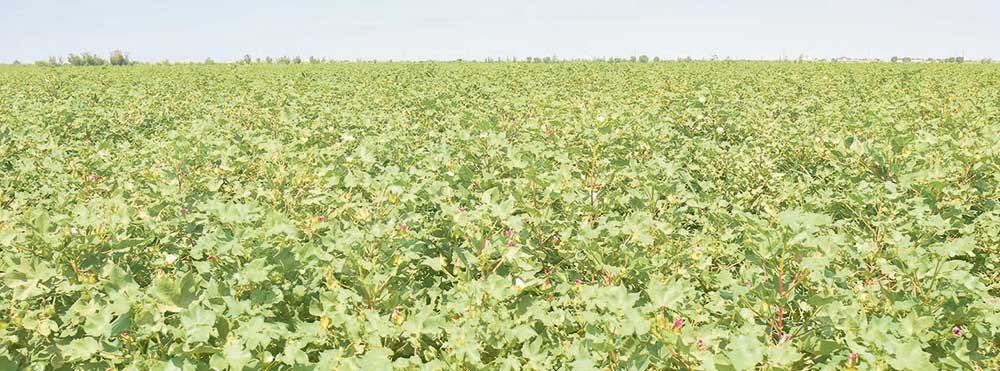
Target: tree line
(120, 58)
(115, 58)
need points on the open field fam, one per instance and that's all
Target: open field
(453, 216)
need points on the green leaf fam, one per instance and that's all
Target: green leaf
(668, 294)
(745, 352)
(175, 294)
(80, 349)
(957, 247)
(911, 356)
(796, 219)
(197, 324)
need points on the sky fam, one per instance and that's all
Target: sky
(224, 30)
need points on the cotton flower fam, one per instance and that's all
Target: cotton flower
(170, 258)
(852, 359)
(720, 130)
(678, 323)
(957, 331)
(702, 100)
(347, 137)
(600, 118)
(519, 284)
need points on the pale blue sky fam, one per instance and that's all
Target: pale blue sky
(449, 29)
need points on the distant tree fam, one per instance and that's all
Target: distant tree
(656, 59)
(86, 59)
(907, 59)
(986, 61)
(117, 58)
(297, 60)
(313, 60)
(51, 62)
(643, 58)
(247, 59)
(268, 60)
(209, 60)
(284, 60)
(894, 59)
(16, 62)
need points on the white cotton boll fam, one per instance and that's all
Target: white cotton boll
(720, 130)
(170, 258)
(519, 284)
(702, 99)
(601, 118)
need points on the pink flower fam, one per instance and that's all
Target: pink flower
(462, 209)
(511, 243)
(509, 233)
(94, 177)
(701, 344)
(211, 258)
(852, 359)
(320, 218)
(678, 323)
(785, 338)
(184, 211)
(124, 334)
(957, 331)
(403, 228)
(579, 282)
